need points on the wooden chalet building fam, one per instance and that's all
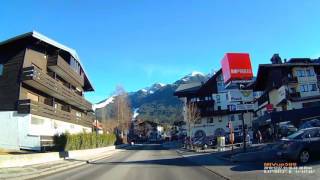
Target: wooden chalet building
(42, 85)
(290, 92)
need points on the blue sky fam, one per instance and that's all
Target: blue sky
(136, 43)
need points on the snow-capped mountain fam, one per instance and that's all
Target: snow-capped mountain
(194, 76)
(155, 87)
(103, 103)
(155, 103)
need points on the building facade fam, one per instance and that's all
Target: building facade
(219, 102)
(42, 85)
(289, 91)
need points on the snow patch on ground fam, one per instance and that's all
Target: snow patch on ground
(135, 113)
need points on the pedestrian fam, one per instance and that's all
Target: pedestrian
(259, 137)
(270, 134)
(248, 140)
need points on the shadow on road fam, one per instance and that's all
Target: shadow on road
(144, 147)
(208, 159)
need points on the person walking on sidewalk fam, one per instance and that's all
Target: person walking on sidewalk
(259, 137)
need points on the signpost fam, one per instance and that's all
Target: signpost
(242, 107)
(231, 136)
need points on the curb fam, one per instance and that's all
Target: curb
(59, 169)
(214, 172)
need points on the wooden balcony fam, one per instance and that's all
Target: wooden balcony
(35, 78)
(27, 106)
(205, 103)
(289, 80)
(58, 65)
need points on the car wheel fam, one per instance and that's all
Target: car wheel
(304, 156)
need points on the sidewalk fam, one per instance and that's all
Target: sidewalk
(34, 171)
(217, 163)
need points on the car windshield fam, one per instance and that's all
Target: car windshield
(296, 135)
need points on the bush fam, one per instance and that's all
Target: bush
(67, 142)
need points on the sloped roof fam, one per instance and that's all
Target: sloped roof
(188, 88)
(52, 42)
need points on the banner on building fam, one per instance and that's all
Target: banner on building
(241, 107)
(240, 95)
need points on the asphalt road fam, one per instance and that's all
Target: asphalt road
(141, 162)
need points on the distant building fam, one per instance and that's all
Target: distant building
(222, 98)
(42, 85)
(289, 91)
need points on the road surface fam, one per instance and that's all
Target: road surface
(141, 162)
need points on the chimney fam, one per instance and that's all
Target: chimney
(276, 59)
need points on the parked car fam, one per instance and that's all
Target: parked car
(287, 129)
(301, 145)
(238, 138)
(203, 142)
(309, 124)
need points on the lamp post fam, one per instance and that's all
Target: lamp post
(244, 134)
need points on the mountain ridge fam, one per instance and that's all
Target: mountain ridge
(154, 103)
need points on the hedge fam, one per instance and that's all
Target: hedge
(67, 142)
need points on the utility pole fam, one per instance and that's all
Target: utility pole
(244, 133)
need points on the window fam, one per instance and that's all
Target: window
(301, 73)
(240, 117)
(218, 98)
(231, 117)
(1, 69)
(304, 88)
(312, 87)
(309, 72)
(75, 65)
(210, 120)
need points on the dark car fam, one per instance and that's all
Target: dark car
(286, 129)
(237, 137)
(301, 145)
(204, 142)
(309, 124)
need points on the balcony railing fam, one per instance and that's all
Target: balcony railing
(27, 106)
(205, 103)
(292, 79)
(34, 77)
(62, 68)
(208, 113)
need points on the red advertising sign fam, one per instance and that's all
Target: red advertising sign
(236, 66)
(269, 107)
